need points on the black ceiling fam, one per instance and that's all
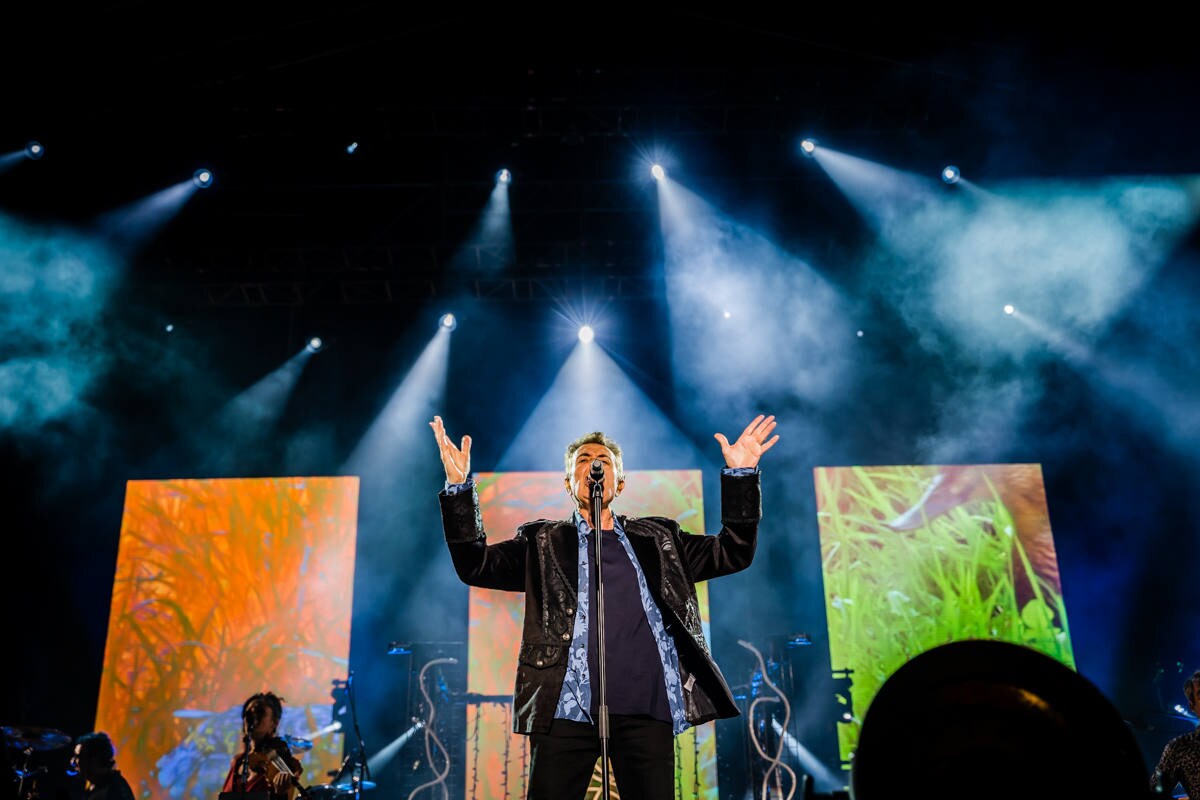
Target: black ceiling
(131, 97)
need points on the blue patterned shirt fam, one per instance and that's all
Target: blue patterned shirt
(575, 702)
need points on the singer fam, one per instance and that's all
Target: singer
(266, 764)
(661, 678)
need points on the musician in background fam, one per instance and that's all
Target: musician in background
(265, 763)
(95, 761)
(1180, 760)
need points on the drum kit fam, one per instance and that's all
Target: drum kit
(341, 786)
(29, 741)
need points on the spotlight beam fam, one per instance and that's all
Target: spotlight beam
(573, 403)
(811, 764)
(395, 431)
(491, 242)
(381, 758)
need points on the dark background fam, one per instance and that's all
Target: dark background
(298, 237)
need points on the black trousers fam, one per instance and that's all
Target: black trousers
(642, 752)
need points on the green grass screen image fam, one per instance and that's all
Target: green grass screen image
(918, 556)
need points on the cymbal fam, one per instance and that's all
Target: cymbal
(42, 739)
(348, 786)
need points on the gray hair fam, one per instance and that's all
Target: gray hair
(595, 437)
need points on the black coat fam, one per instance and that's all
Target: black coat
(542, 561)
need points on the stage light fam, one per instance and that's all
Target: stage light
(169, 327)
(34, 150)
(658, 172)
(503, 176)
(1010, 309)
(350, 148)
(203, 178)
(859, 334)
(448, 321)
(808, 147)
(727, 314)
(950, 173)
(586, 334)
(315, 344)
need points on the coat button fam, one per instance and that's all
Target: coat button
(538, 662)
(566, 637)
(570, 611)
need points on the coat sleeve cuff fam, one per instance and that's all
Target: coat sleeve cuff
(461, 520)
(741, 496)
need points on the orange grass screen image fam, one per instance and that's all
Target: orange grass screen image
(497, 759)
(917, 556)
(224, 588)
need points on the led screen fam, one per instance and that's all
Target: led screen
(224, 588)
(917, 556)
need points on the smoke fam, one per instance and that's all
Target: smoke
(979, 422)
(1074, 258)
(748, 319)
(310, 451)
(33, 390)
(1069, 252)
(53, 289)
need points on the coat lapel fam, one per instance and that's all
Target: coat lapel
(645, 547)
(564, 549)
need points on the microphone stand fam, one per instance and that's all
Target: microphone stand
(25, 773)
(244, 768)
(602, 697)
(363, 769)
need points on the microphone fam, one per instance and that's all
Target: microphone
(597, 473)
(250, 719)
